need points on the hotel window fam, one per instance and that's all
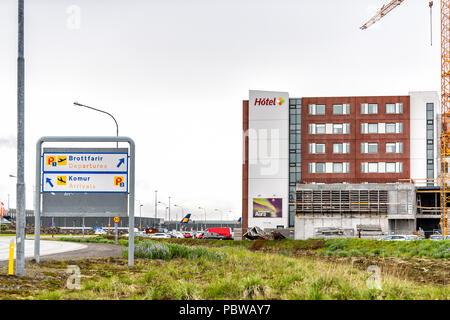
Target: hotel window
(317, 109)
(394, 127)
(394, 108)
(430, 143)
(390, 167)
(329, 167)
(381, 167)
(341, 109)
(338, 128)
(341, 147)
(338, 167)
(394, 147)
(318, 167)
(372, 167)
(371, 147)
(372, 128)
(315, 148)
(369, 108)
(320, 128)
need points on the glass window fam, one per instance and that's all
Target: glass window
(390, 148)
(320, 167)
(320, 148)
(373, 167)
(373, 128)
(372, 108)
(338, 167)
(338, 148)
(320, 109)
(390, 127)
(429, 134)
(338, 109)
(372, 147)
(338, 129)
(390, 167)
(429, 153)
(390, 107)
(320, 128)
(430, 174)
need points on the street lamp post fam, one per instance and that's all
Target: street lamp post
(182, 212)
(156, 204)
(140, 216)
(205, 214)
(221, 217)
(117, 126)
(20, 182)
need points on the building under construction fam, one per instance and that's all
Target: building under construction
(366, 210)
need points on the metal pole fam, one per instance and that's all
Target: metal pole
(37, 203)
(20, 186)
(169, 209)
(117, 126)
(115, 227)
(131, 204)
(156, 204)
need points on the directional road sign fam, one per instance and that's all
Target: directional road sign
(84, 182)
(84, 162)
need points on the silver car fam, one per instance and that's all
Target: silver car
(159, 235)
(394, 238)
(437, 237)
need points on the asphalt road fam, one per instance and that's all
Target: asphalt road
(47, 247)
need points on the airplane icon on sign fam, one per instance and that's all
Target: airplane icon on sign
(62, 180)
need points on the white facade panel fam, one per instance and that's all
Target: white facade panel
(268, 170)
(418, 133)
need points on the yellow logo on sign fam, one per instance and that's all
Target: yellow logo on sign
(62, 160)
(119, 181)
(61, 180)
(116, 219)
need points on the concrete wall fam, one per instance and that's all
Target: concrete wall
(305, 226)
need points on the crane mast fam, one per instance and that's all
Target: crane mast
(444, 176)
(445, 113)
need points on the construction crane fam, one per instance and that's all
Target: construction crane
(445, 100)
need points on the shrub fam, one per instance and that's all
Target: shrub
(153, 250)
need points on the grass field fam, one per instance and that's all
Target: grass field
(241, 274)
(225, 270)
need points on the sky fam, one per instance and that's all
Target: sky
(174, 74)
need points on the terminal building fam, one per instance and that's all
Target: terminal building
(344, 163)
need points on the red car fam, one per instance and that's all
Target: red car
(187, 235)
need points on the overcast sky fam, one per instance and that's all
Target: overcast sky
(174, 74)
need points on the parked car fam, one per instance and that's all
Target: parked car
(159, 235)
(198, 235)
(412, 237)
(437, 237)
(213, 235)
(394, 238)
(176, 234)
(187, 235)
